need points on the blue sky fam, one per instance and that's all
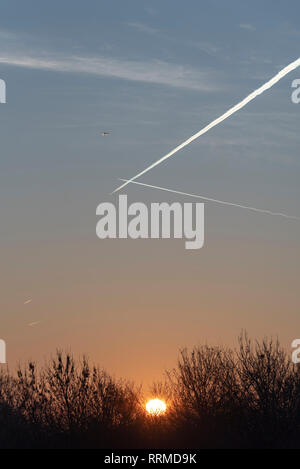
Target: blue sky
(152, 73)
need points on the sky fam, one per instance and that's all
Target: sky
(152, 74)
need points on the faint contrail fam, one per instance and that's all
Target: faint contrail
(32, 324)
(220, 119)
(254, 209)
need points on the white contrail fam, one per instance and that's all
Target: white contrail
(247, 207)
(220, 119)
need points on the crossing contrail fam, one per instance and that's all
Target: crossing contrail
(217, 201)
(220, 119)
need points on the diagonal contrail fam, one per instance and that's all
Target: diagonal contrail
(222, 202)
(220, 119)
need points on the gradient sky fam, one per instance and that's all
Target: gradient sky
(151, 73)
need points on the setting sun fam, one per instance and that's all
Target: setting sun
(156, 407)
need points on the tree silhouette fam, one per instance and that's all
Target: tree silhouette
(216, 397)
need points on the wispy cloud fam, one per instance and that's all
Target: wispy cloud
(247, 26)
(207, 47)
(151, 11)
(6, 35)
(153, 71)
(143, 28)
(204, 46)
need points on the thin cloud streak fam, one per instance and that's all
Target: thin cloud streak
(207, 47)
(292, 66)
(217, 201)
(153, 71)
(143, 28)
(247, 26)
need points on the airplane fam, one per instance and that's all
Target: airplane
(104, 134)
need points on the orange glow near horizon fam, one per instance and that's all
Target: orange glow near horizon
(156, 407)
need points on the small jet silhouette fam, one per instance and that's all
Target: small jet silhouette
(104, 134)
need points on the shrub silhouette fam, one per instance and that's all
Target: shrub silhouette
(216, 397)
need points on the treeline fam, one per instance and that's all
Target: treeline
(216, 398)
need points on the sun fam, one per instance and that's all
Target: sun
(156, 407)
